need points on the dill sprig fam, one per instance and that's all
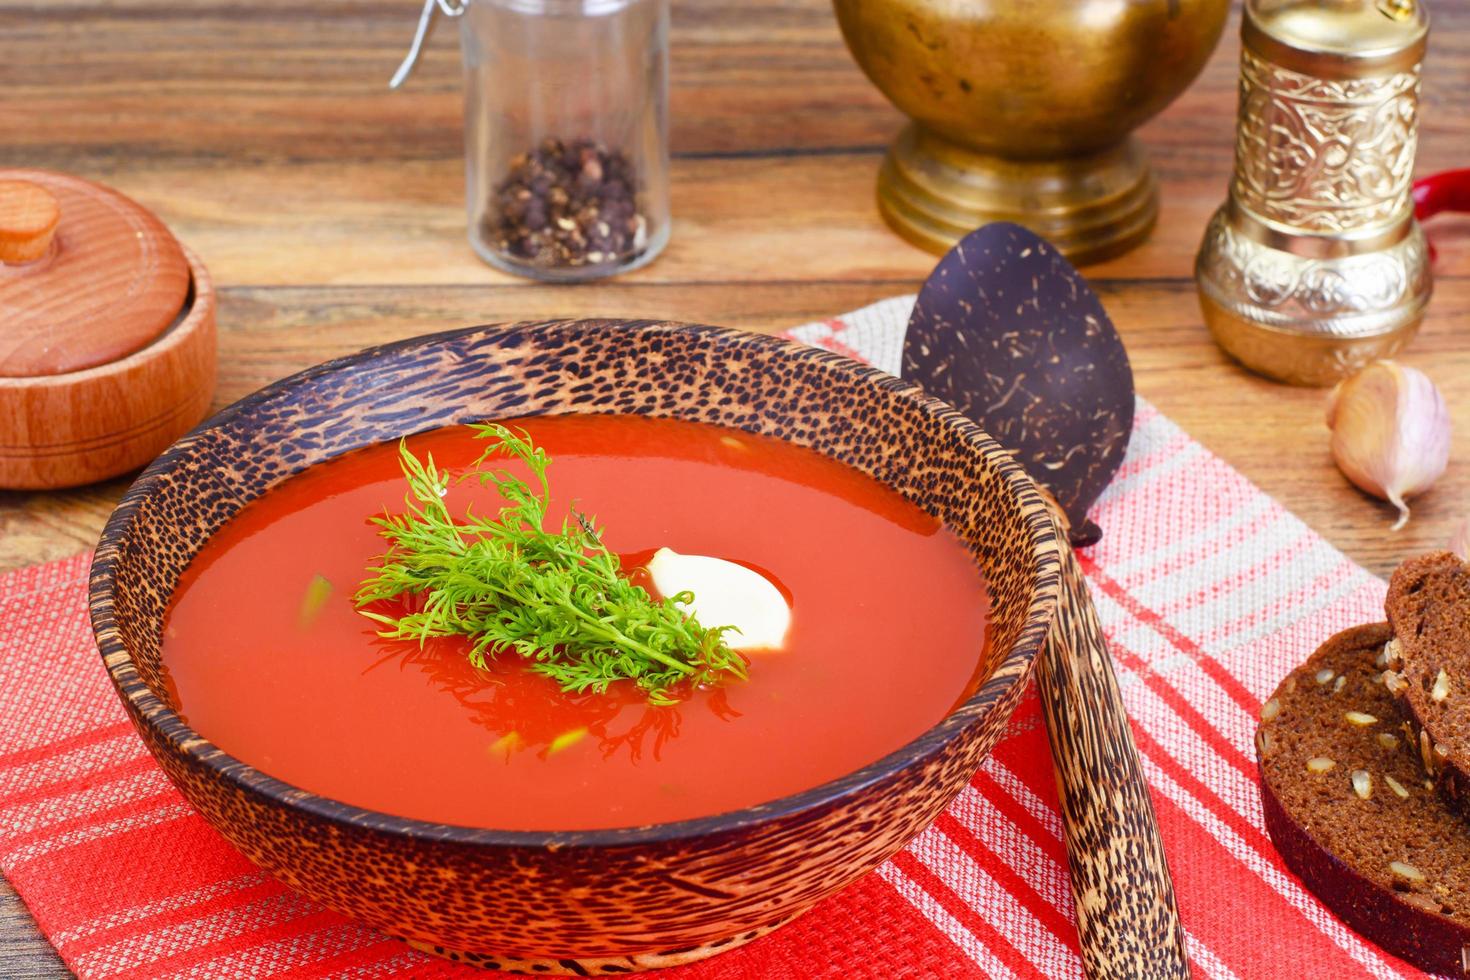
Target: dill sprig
(556, 598)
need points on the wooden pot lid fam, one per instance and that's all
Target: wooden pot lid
(90, 276)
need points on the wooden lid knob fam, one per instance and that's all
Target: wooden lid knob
(29, 214)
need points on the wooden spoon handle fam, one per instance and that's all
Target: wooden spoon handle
(1126, 912)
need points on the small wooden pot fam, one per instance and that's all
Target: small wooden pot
(666, 893)
(111, 364)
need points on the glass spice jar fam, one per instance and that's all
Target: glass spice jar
(566, 132)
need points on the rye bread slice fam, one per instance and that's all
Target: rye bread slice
(1428, 606)
(1367, 834)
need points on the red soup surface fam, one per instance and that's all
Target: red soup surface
(888, 625)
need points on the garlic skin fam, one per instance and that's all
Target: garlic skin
(1460, 540)
(1390, 432)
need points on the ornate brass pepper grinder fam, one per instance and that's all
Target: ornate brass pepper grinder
(1022, 111)
(1315, 265)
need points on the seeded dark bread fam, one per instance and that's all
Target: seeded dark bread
(1347, 804)
(1428, 607)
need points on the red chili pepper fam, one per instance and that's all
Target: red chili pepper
(1448, 190)
(1445, 191)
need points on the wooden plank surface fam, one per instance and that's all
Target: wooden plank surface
(330, 213)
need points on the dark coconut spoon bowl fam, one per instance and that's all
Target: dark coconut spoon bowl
(590, 902)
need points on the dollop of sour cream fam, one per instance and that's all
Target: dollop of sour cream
(725, 594)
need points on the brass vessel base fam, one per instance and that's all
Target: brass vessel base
(933, 192)
(1309, 319)
(1309, 360)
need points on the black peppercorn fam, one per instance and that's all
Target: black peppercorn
(568, 204)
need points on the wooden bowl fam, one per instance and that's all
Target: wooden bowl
(666, 893)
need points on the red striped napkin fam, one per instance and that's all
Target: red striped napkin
(1209, 592)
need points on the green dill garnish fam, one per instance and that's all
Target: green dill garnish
(556, 598)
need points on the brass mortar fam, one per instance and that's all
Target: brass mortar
(1022, 111)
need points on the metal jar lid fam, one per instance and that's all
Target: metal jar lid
(1337, 39)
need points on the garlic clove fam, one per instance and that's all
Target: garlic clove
(1390, 432)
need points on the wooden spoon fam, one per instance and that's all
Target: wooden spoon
(1009, 333)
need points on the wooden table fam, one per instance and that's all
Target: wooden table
(330, 212)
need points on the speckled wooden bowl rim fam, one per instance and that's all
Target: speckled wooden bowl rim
(184, 741)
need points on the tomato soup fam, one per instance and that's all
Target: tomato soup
(266, 655)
